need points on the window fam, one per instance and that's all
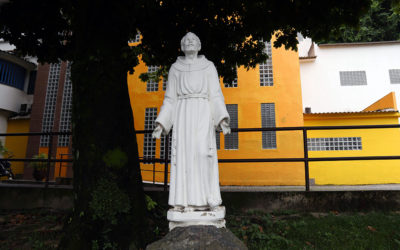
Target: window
(232, 84)
(66, 108)
(231, 140)
(12, 74)
(334, 143)
(149, 145)
(151, 84)
(353, 78)
(50, 102)
(394, 76)
(218, 139)
(268, 121)
(164, 83)
(137, 37)
(266, 76)
(31, 84)
(162, 146)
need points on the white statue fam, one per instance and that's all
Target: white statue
(194, 106)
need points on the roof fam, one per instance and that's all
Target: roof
(16, 59)
(358, 43)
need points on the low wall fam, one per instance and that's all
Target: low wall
(59, 198)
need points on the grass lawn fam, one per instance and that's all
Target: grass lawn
(333, 230)
(42, 229)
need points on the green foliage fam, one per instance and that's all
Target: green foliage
(108, 201)
(115, 158)
(40, 165)
(380, 23)
(150, 204)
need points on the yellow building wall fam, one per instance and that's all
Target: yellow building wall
(17, 144)
(60, 168)
(286, 94)
(375, 142)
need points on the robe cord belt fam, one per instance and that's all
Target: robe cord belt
(188, 96)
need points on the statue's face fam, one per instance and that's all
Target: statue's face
(190, 43)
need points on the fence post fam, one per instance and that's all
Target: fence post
(48, 159)
(166, 152)
(306, 170)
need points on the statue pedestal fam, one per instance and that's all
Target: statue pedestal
(213, 217)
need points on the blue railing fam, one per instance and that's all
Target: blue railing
(12, 74)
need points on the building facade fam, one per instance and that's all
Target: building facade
(266, 96)
(17, 79)
(348, 77)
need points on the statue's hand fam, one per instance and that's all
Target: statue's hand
(158, 131)
(225, 127)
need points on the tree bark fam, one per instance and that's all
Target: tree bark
(109, 209)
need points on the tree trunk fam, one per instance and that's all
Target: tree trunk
(109, 209)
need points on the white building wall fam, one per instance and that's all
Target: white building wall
(320, 80)
(11, 98)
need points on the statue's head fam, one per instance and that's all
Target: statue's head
(190, 42)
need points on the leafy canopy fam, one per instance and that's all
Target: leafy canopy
(231, 31)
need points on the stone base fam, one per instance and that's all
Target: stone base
(198, 237)
(182, 218)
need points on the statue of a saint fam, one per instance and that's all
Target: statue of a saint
(194, 106)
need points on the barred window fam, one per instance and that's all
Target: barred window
(151, 84)
(268, 121)
(164, 83)
(353, 78)
(149, 145)
(50, 102)
(66, 108)
(232, 84)
(334, 143)
(266, 75)
(163, 144)
(232, 140)
(218, 139)
(137, 37)
(394, 76)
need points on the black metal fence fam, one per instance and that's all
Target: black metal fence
(165, 161)
(50, 159)
(305, 159)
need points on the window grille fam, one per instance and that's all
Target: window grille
(394, 76)
(334, 143)
(232, 140)
(66, 108)
(149, 145)
(164, 83)
(268, 121)
(232, 84)
(218, 139)
(137, 37)
(151, 84)
(266, 75)
(50, 102)
(353, 78)
(162, 146)
(12, 74)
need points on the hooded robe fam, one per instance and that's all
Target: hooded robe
(194, 106)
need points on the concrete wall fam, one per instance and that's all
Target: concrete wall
(11, 98)
(57, 198)
(321, 81)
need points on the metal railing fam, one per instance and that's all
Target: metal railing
(49, 159)
(165, 161)
(305, 159)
